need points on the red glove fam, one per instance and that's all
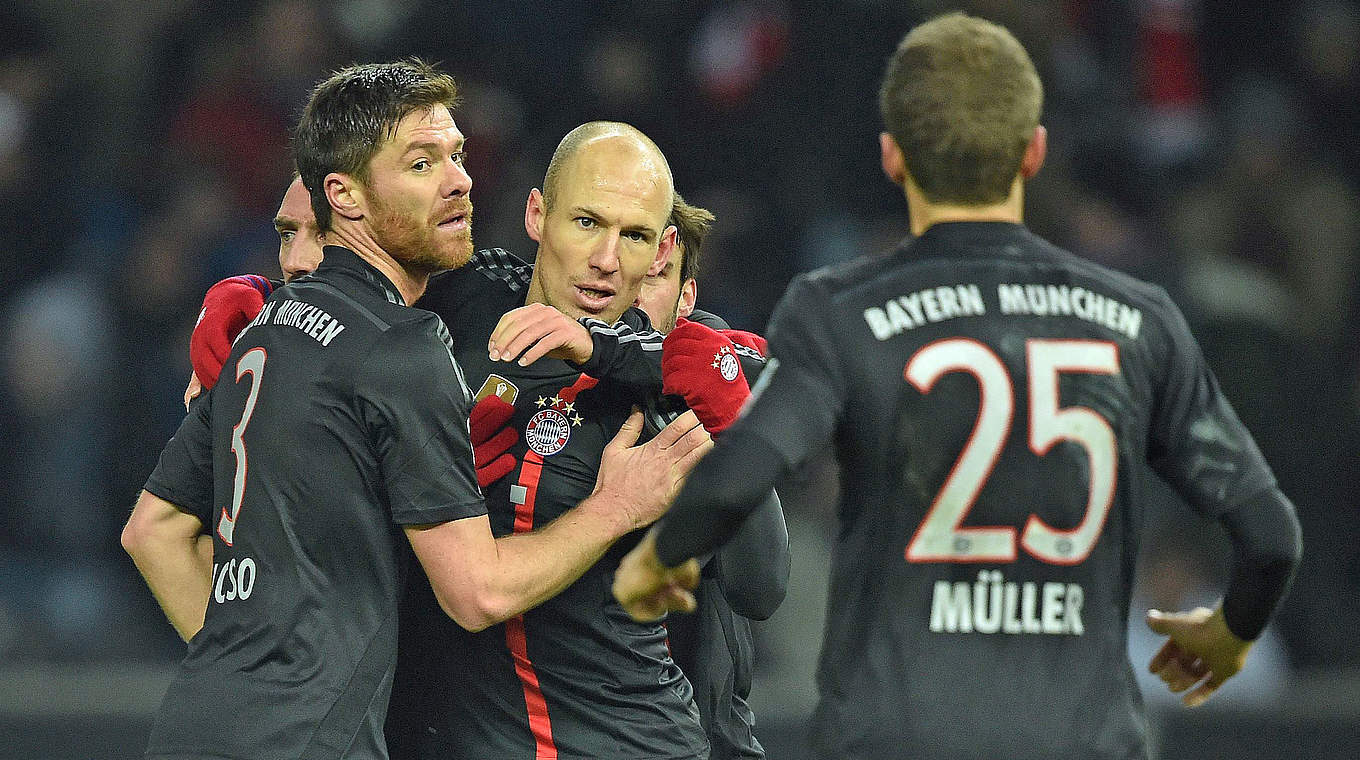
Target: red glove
(227, 308)
(748, 339)
(700, 364)
(492, 439)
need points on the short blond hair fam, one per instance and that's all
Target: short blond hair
(961, 98)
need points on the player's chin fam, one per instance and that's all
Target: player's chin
(456, 252)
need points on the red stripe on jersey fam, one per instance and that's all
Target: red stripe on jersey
(540, 725)
(529, 474)
(583, 383)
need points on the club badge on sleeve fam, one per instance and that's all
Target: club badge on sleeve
(726, 363)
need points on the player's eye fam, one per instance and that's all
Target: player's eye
(421, 165)
(636, 237)
(459, 157)
(286, 236)
(585, 222)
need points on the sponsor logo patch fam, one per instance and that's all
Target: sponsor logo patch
(500, 387)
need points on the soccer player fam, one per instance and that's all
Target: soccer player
(342, 425)
(991, 399)
(747, 577)
(574, 677)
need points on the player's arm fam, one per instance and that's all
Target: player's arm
(165, 535)
(1200, 447)
(803, 383)
(481, 580)
(627, 352)
(753, 567)
(174, 555)
(708, 370)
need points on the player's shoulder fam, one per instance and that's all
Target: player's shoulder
(847, 275)
(492, 278)
(708, 319)
(501, 266)
(1150, 298)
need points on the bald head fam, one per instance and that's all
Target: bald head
(612, 141)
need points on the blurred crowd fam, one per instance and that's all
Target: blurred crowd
(1209, 146)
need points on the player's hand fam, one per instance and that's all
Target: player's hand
(537, 330)
(642, 481)
(228, 307)
(701, 365)
(647, 590)
(492, 439)
(1200, 650)
(194, 388)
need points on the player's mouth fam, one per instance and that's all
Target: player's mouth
(456, 223)
(594, 298)
(457, 220)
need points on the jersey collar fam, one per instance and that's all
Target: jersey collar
(338, 257)
(973, 232)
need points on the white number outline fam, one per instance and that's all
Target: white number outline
(1050, 424)
(251, 363)
(940, 535)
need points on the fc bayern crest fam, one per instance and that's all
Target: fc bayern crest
(550, 428)
(548, 432)
(726, 363)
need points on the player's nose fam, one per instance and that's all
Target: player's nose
(605, 255)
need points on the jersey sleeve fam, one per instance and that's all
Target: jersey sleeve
(1196, 442)
(800, 394)
(627, 352)
(415, 404)
(184, 474)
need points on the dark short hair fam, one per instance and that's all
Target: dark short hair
(692, 225)
(961, 98)
(352, 112)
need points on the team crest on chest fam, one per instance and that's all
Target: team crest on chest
(550, 428)
(726, 363)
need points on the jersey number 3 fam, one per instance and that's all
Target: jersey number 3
(251, 363)
(940, 538)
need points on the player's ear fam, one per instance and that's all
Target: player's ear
(535, 209)
(689, 294)
(663, 251)
(1035, 153)
(890, 155)
(345, 195)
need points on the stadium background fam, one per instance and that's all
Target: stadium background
(1207, 145)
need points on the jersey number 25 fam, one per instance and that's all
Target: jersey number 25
(940, 537)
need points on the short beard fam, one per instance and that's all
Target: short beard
(668, 323)
(414, 248)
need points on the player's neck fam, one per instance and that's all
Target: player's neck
(926, 214)
(410, 283)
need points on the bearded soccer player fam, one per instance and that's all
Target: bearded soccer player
(992, 399)
(342, 426)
